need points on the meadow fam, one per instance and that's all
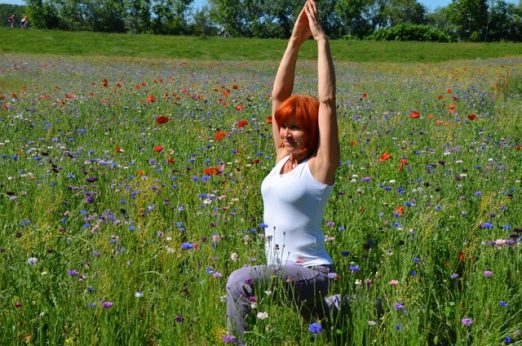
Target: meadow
(129, 191)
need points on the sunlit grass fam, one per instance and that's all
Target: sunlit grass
(111, 232)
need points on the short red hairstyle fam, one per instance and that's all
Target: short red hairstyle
(306, 110)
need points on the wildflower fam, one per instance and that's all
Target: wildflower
(472, 117)
(158, 148)
(138, 294)
(151, 99)
(394, 282)
(385, 156)
(372, 323)
(219, 135)
(414, 115)
(186, 246)
(262, 315)
(162, 120)
(32, 261)
(454, 276)
(73, 272)
(241, 123)
(179, 318)
(507, 339)
(234, 256)
(315, 328)
(332, 276)
(107, 304)
(486, 225)
(398, 306)
(466, 321)
(488, 273)
(354, 267)
(503, 303)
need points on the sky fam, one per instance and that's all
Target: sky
(430, 4)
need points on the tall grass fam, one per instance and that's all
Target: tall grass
(112, 233)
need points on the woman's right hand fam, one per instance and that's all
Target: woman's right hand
(301, 31)
(312, 15)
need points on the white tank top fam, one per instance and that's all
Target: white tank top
(294, 205)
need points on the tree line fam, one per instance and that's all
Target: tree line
(468, 20)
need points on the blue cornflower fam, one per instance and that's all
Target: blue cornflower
(503, 303)
(354, 267)
(315, 328)
(507, 339)
(186, 246)
(486, 225)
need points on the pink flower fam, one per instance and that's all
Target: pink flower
(394, 282)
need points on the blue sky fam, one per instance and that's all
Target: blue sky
(430, 4)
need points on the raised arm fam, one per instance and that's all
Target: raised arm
(326, 162)
(284, 80)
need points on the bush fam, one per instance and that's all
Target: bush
(410, 32)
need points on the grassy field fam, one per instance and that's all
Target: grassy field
(217, 48)
(130, 177)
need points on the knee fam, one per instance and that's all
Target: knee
(238, 281)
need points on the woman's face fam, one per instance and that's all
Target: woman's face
(294, 136)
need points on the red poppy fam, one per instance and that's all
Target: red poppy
(162, 119)
(414, 115)
(440, 97)
(70, 96)
(140, 172)
(118, 85)
(158, 148)
(399, 210)
(105, 83)
(385, 156)
(211, 171)
(518, 147)
(461, 256)
(14, 96)
(364, 96)
(235, 87)
(241, 123)
(403, 162)
(118, 149)
(452, 108)
(472, 117)
(171, 160)
(220, 135)
(151, 99)
(450, 91)
(240, 107)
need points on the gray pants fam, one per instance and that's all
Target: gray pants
(304, 286)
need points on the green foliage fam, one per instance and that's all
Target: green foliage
(410, 32)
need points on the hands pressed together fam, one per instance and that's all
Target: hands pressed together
(307, 24)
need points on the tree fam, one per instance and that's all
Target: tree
(470, 18)
(503, 22)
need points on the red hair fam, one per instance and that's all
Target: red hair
(306, 110)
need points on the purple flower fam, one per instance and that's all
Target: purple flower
(503, 303)
(488, 273)
(315, 328)
(179, 318)
(454, 276)
(73, 272)
(507, 339)
(107, 305)
(398, 306)
(91, 179)
(466, 321)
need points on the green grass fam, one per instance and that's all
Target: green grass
(216, 48)
(91, 213)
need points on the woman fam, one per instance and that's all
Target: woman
(295, 192)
